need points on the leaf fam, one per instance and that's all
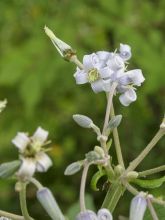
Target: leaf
(8, 169)
(73, 168)
(149, 184)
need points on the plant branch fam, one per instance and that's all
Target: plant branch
(82, 186)
(117, 142)
(109, 105)
(151, 171)
(11, 216)
(145, 152)
(152, 210)
(23, 204)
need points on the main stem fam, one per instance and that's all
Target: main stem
(11, 215)
(144, 153)
(23, 204)
(117, 142)
(82, 186)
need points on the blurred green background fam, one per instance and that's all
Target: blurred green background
(41, 90)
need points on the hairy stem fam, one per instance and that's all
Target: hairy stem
(23, 204)
(151, 171)
(109, 105)
(152, 210)
(145, 152)
(11, 216)
(82, 186)
(117, 142)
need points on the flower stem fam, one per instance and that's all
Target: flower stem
(117, 142)
(151, 171)
(152, 210)
(11, 216)
(82, 186)
(75, 60)
(36, 183)
(109, 105)
(145, 152)
(23, 204)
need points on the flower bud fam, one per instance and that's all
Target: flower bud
(73, 168)
(83, 120)
(8, 169)
(115, 121)
(64, 49)
(86, 215)
(132, 175)
(138, 207)
(104, 214)
(125, 51)
(92, 156)
(49, 203)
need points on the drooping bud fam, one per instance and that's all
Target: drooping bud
(83, 120)
(45, 197)
(104, 214)
(138, 207)
(64, 49)
(73, 168)
(86, 215)
(125, 51)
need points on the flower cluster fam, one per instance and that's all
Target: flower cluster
(32, 154)
(102, 69)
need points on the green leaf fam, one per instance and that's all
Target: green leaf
(149, 184)
(8, 169)
(96, 178)
(73, 168)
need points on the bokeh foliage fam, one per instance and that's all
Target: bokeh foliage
(41, 90)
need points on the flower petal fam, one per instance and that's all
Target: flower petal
(105, 72)
(40, 135)
(43, 162)
(90, 61)
(21, 141)
(97, 86)
(80, 77)
(107, 85)
(128, 97)
(136, 76)
(115, 63)
(125, 52)
(27, 168)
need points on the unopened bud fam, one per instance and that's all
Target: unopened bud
(73, 168)
(104, 214)
(132, 175)
(87, 215)
(92, 156)
(114, 122)
(49, 203)
(83, 120)
(138, 207)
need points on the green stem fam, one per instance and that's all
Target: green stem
(152, 210)
(145, 152)
(11, 216)
(82, 186)
(113, 195)
(23, 204)
(75, 60)
(151, 171)
(109, 105)
(36, 183)
(117, 142)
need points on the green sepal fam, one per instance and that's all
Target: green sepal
(149, 184)
(96, 177)
(9, 168)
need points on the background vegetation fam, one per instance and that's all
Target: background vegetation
(41, 90)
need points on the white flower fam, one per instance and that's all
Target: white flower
(21, 141)
(127, 97)
(138, 207)
(94, 71)
(125, 52)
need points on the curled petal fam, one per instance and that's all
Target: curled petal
(136, 76)
(21, 141)
(40, 135)
(86, 215)
(125, 52)
(103, 57)
(105, 72)
(138, 207)
(128, 97)
(97, 86)
(43, 162)
(104, 214)
(27, 168)
(81, 77)
(90, 61)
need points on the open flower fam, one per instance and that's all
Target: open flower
(32, 153)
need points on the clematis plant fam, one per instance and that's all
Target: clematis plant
(105, 72)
